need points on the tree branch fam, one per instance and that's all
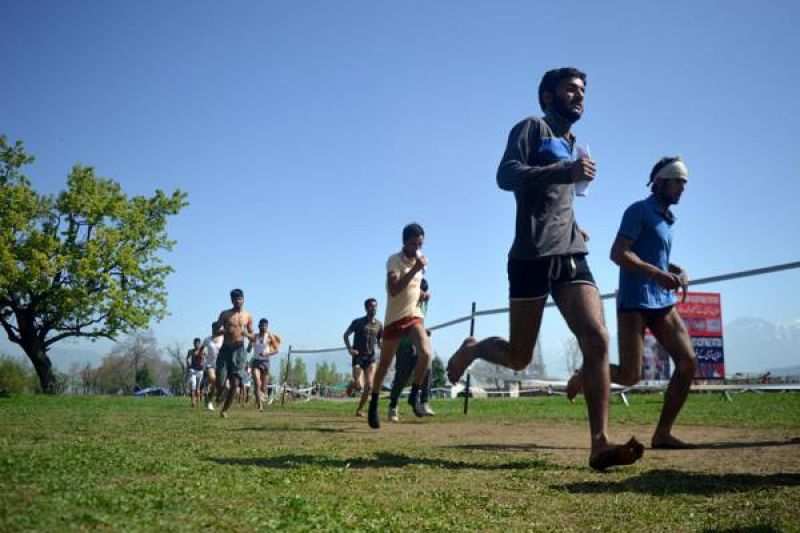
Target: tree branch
(12, 335)
(77, 333)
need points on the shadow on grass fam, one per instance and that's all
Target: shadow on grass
(280, 429)
(758, 444)
(661, 482)
(703, 446)
(379, 460)
(512, 447)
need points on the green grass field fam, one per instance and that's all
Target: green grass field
(111, 464)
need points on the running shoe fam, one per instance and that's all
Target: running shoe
(393, 414)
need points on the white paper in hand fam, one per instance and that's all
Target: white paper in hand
(582, 187)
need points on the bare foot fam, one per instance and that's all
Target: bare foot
(459, 362)
(668, 442)
(616, 455)
(360, 414)
(223, 414)
(575, 385)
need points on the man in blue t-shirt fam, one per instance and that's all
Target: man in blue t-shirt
(647, 295)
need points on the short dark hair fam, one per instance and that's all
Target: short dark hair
(263, 321)
(413, 230)
(423, 285)
(196, 340)
(235, 293)
(664, 161)
(552, 78)
(368, 300)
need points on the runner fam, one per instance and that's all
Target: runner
(548, 256)
(236, 325)
(194, 369)
(210, 349)
(403, 318)
(646, 297)
(405, 362)
(367, 334)
(266, 346)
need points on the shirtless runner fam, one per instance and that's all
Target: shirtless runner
(236, 325)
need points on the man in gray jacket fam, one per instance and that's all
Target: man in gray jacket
(548, 256)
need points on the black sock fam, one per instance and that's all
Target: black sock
(374, 398)
(413, 397)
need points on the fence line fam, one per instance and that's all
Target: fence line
(605, 296)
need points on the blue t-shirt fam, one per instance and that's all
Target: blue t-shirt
(651, 232)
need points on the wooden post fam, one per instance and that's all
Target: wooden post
(469, 376)
(288, 369)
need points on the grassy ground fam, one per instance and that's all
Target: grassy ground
(107, 463)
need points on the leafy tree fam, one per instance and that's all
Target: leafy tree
(83, 263)
(297, 373)
(327, 374)
(438, 376)
(16, 375)
(113, 375)
(177, 379)
(143, 378)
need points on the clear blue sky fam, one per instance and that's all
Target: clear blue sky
(308, 133)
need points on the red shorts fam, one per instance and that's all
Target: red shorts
(399, 328)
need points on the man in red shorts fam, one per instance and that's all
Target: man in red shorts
(403, 318)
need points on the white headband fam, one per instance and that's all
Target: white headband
(674, 170)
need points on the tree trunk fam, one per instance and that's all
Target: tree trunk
(43, 366)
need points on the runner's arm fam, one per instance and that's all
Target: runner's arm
(627, 259)
(398, 283)
(515, 174)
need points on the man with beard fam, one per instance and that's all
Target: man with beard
(548, 256)
(236, 324)
(367, 333)
(646, 297)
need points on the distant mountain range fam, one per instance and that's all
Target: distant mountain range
(758, 345)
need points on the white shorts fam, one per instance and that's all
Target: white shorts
(195, 377)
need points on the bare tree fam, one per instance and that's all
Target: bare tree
(177, 357)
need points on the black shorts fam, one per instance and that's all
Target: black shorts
(650, 316)
(533, 280)
(364, 361)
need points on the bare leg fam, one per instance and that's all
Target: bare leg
(581, 307)
(525, 318)
(630, 336)
(369, 373)
(233, 392)
(424, 352)
(671, 334)
(256, 373)
(212, 383)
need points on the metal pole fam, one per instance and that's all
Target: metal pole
(288, 367)
(469, 376)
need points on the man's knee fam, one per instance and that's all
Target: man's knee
(594, 341)
(520, 363)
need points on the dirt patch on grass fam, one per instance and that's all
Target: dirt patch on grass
(719, 450)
